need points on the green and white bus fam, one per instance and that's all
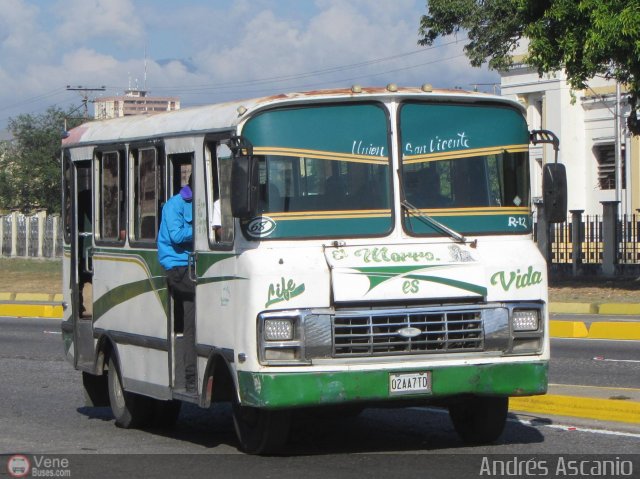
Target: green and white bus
(376, 249)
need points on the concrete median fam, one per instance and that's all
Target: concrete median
(587, 402)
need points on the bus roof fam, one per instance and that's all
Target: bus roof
(226, 116)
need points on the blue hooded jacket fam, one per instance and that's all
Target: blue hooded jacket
(175, 238)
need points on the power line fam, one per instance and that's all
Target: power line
(297, 76)
(85, 95)
(49, 94)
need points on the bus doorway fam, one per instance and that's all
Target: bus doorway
(82, 267)
(182, 332)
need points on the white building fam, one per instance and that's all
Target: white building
(584, 122)
(133, 102)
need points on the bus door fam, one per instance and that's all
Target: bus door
(180, 168)
(82, 267)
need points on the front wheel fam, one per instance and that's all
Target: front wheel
(260, 431)
(479, 419)
(129, 409)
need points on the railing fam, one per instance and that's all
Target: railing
(31, 236)
(593, 244)
(590, 238)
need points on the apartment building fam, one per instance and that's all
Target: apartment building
(133, 102)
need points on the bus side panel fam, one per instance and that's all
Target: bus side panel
(130, 306)
(67, 324)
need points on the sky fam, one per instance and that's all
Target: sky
(207, 51)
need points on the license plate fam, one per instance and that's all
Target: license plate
(410, 383)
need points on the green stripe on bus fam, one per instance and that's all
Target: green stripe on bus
(284, 390)
(472, 224)
(128, 291)
(319, 228)
(429, 128)
(351, 129)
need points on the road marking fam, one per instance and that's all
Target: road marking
(539, 423)
(52, 332)
(600, 358)
(563, 427)
(592, 387)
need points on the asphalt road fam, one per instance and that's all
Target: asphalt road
(595, 362)
(43, 413)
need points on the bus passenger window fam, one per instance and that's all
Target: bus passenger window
(219, 194)
(148, 192)
(112, 225)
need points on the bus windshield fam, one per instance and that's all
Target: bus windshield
(324, 170)
(467, 166)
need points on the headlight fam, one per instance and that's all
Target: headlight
(525, 320)
(278, 330)
(294, 336)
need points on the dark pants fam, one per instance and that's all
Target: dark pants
(183, 291)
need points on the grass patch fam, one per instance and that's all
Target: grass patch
(20, 275)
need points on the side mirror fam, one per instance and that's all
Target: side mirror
(554, 192)
(244, 187)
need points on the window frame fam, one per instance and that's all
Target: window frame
(211, 166)
(122, 188)
(401, 169)
(159, 162)
(386, 110)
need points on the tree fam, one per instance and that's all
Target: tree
(584, 37)
(30, 163)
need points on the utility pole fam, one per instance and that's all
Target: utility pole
(85, 95)
(618, 147)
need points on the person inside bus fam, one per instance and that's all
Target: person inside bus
(175, 243)
(423, 189)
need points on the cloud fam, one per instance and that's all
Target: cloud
(116, 20)
(21, 35)
(220, 50)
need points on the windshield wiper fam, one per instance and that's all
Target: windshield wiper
(429, 220)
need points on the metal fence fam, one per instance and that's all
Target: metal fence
(590, 240)
(35, 236)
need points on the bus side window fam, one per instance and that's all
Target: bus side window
(149, 192)
(223, 188)
(219, 193)
(112, 225)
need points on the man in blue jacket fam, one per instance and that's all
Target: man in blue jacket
(175, 243)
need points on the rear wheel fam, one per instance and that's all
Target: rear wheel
(129, 409)
(479, 419)
(261, 431)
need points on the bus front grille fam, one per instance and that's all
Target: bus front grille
(362, 335)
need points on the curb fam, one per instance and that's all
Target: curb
(582, 407)
(620, 330)
(32, 305)
(595, 308)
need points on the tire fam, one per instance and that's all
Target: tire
(129, 409)
(261, 431)
(479, 419)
